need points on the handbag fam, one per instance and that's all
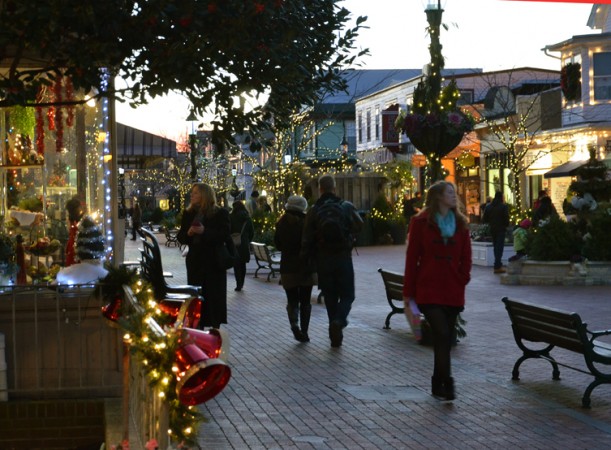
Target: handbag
(225, 255)
(237, 237)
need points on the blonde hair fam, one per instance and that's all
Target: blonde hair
(433, 197)
(208, 204)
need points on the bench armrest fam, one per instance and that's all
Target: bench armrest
(596, 334)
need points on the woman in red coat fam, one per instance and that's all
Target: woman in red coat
(437, 270)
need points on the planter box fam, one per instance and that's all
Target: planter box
(483, 253)
(530, 272)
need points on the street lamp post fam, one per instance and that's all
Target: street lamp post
(192, 118)
(121, 193)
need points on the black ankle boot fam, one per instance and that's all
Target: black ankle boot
(297, 333)
(448, 385)
(437, 388)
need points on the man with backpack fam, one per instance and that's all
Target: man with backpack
(328, 236)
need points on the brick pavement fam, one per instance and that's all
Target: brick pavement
(373, 392)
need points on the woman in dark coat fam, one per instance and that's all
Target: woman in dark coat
(296, 275)
(241, 223)
(203, 228)
(437, 270)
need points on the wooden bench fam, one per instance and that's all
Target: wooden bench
(266, 259)
(393, 284)
(152, 271)
(554, 328)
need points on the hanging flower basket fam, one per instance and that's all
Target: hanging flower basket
(437, 133)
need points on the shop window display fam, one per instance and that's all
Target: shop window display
(50, 155)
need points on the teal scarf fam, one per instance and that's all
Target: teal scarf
(447, 225)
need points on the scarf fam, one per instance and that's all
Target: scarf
(446, 224)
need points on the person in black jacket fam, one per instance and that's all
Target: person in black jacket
(241, 223)
(296, 274)
(328, 237)
(497, 216)
(203, 227)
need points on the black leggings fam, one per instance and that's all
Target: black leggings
(442, 320)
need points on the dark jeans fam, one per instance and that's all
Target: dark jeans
(498, 243)
(336, 281)
(442, 320)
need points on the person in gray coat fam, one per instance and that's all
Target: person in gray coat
(296, 275)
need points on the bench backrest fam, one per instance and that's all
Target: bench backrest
(152, 268)
(260, 251)
(393, 283)
(539, 324)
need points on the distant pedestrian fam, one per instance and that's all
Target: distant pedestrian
(241, 224)
(252, 204)
(520, 240)
(411, 206)
(328, 237)
(297, 275)
(136, 220)
(542, 193)
(497, 216)
(437, 270)
(544, 212)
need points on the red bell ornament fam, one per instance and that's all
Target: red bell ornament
(200, 377)
(186, 312)
(112, 311)
(214, 342)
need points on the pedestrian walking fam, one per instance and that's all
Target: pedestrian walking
(497, 216)
(243, 230)
(437, 270)
(328, 237)
(296, 274)
(252, 204)
(136, 220)
(205, 226)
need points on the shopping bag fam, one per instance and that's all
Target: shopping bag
(414, 317)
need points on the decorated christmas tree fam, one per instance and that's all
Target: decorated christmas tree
(89, 240)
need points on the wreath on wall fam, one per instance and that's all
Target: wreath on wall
(570, 81)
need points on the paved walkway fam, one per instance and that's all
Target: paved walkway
(373, 392)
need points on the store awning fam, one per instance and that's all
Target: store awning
(568, 169)
(134, 142)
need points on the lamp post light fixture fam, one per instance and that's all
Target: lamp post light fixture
(344, 146)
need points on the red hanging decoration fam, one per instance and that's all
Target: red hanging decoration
(40, 131)
(51, 117)
(59, 122)
(70, 97)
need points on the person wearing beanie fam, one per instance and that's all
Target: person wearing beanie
(297, 276)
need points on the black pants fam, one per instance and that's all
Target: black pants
(442, 320)
(239, 270)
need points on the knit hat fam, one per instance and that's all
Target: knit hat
(89, 240)
(526, 223)
(296, 203)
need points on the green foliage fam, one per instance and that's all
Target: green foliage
(223, 48)
(33, 204)
(554, 241)
(264, 224)
(597, 245)
(7, 248)
(22, 120)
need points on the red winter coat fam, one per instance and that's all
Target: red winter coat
(436, 273)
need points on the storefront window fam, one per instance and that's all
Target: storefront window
(50, 155)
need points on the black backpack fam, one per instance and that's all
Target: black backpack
(333, 226)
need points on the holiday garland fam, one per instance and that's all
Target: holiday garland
(570, 81)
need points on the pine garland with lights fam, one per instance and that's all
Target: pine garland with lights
(156, 351)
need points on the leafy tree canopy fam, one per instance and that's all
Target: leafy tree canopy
(210, 50)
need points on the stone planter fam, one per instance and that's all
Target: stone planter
(482, 253)
(528, 272)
